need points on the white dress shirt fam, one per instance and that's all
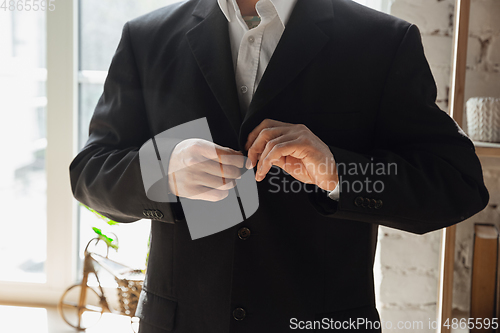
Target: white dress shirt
(252, 48)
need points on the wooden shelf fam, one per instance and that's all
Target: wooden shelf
(456, 98)
(487, 149)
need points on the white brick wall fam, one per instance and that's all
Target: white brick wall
(431, 16)
(408, 264)
(494, 54)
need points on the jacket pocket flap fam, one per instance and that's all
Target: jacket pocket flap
(156, 311)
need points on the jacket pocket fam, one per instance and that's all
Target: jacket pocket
(156, 310)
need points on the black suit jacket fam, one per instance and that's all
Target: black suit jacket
(359, 80)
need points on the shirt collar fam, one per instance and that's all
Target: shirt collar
(283, 8)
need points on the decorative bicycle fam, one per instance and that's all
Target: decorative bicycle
(81, 306)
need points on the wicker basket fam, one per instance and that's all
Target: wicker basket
(129, 291)
(483, 119)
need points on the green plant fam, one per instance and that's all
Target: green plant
(108, 240)
(102, 217)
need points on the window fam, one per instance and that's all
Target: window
(47, 98)
(23, 184)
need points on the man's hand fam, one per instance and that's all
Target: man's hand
(293, 148)
(199, 169)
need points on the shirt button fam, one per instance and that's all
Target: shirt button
(244, 89)
(239, 314)
(251, 39)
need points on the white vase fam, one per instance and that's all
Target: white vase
(483, 119)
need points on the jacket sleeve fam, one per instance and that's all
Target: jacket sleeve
(422, 173)
(106, 174)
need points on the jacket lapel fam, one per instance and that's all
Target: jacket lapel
(209, 42)
(301, 41)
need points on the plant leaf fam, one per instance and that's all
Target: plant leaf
(102, 217)
(109, 241)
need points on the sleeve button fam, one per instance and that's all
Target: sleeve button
(158, 214)
(372, 203)
(366, 203)
(359, 201)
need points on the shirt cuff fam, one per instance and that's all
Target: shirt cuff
(335, 194)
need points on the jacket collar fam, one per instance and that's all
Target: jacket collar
(283, 8)
(210, 45)
(316, 10)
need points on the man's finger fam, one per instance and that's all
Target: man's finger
(215, 168)
(208, 194)
(231, 158)
(266, 135)
(214, 182)
(289, 148)
(215, 152)
(272, 143)
(266, 123)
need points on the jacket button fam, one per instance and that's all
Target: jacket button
(158, 214)
(359, 201)
(378, 204)
(244, 233)
(239, 314)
